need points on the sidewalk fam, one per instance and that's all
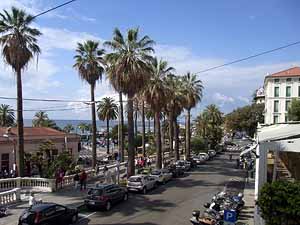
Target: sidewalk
(247, 214)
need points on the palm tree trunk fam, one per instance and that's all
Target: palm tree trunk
(107, 136)
(135, 128)
(176, 135)
(158, 141)
(188, 134)
(171, 133)
(131, 152)
(121, 128)
(143, 129)
(20, 125)
(94, 128)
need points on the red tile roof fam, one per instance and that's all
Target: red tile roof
(34, 131)
(292, 72)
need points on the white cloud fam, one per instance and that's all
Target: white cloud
(244, 99)
(222, 99)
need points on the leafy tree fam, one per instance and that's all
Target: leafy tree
(156, 94)
(7, 116)
(107, 110)
(198, 144)
(114, 131)
(128, 73)
(41, 119)
(193, 92)
(63, 161)
(82, 127)
(245, 119)
(279, 203)
(294, 110)
(19, 46)
(90, 63)
(68, 128)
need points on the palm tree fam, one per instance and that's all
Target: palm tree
(174, 109)
(128, 73)
(156, 94)
(82, 127)
(90, 65)
(19, 45)
(40, 119)
(7, 116)
(107, 110)
(68, 128)
(193, 92)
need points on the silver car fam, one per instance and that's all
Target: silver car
(162, 175)
(142, 183)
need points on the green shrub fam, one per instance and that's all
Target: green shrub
(280, 203)
(198, 145)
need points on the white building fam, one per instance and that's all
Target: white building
(280, 88)
(260, 96)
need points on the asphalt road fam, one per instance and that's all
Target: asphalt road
(173, 203)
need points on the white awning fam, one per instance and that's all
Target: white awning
(278, 131)
(253, 147)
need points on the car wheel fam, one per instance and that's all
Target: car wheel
(74, 219)
(125, 198)
(108, 206)
(144, 190)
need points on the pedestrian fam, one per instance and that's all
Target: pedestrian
(148, 162)
(230, 156)
(32, 200)
(237, 163)
(76, 180)
(61, 177)
(83, 178)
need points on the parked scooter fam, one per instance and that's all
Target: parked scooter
(203, 220)
(3, 211)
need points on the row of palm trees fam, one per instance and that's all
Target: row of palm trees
(131, 69)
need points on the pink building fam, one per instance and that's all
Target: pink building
(33, 138)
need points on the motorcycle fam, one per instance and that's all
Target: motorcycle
(3, 211)
(202, 220)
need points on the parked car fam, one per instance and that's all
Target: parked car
(184, 165)
(204, 155)
(212, 153)
(162, 175)
(105, 195)
(176, 171)
(48, 213)
(144, 171)
(198, 160)
(142, 183)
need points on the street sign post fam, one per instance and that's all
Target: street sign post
(229, 217)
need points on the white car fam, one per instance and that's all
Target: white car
(211, 153)
(162, 175)
(204, 155)
(142, 183)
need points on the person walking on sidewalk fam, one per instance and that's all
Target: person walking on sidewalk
(76, 181)
(83, 178)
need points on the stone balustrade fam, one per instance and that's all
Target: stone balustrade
(9, 197)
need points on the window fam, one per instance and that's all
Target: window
(276, 92)
(275, 119)
(287, 105)
(5, 162)
(276, 80)
(286, 118)
(289, 80)
(276, 106)
(288, 91)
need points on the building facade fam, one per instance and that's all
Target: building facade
(260, 96)
(280, 88)
(34, 137)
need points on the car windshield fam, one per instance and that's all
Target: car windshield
(156, 172)
(135, 179)
(95, 192)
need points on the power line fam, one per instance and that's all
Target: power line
(47, 100)
(56, 7)
(52, 110)
(249, 57)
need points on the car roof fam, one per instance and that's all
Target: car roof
(42, 206)
(104, 186)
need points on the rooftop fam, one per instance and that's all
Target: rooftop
(292, 72)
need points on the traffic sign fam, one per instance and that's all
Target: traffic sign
(230, 216)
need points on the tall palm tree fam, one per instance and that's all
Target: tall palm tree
(156, 94)
(107, 110)
(40, 119)
(90, 65)
(19, 45)
(128, 73)
(7, 116)
(174, 109)
(193, 92)
(68, 128)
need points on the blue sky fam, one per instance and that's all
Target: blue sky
(192, 35)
